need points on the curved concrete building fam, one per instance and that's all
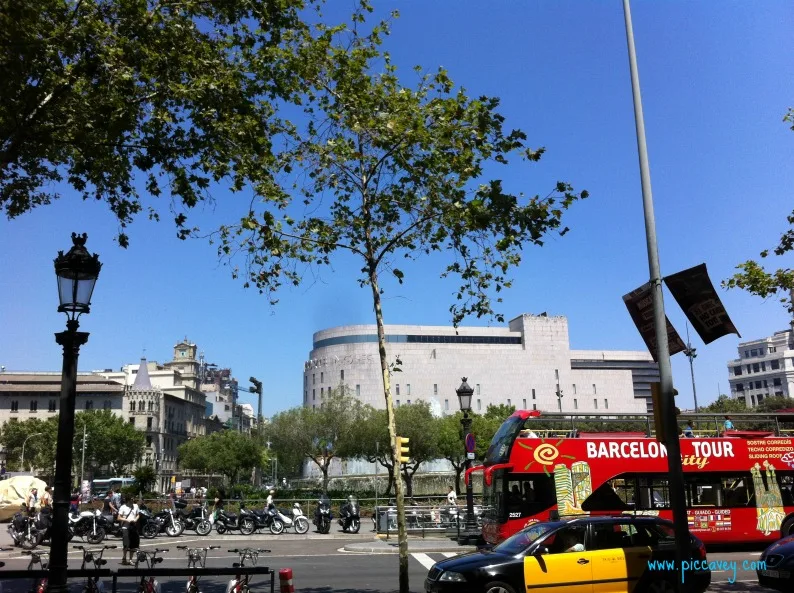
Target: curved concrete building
(525, 365)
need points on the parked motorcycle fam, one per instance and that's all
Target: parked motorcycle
(281, 520)
(349, 517)
(228, 521)
(148, 526)
(163, 522)
(88, 526)
(195, 520)
(28, 531)
(267, 518)
(322, 515)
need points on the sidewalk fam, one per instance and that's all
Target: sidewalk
(383, 546)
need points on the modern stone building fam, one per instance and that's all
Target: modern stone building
(526, 364)
(765, 368)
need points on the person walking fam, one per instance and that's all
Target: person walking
(46, 498)
(452, 498)
(128, 516)
(32, 500)
(269, 501)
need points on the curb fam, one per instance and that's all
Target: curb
(384, 548)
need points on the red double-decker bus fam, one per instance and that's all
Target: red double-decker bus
(737, 489)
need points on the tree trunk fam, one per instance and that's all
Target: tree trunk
(402, 536)
(324, 469)
(409, 483)
(390, 483)
(458, 472)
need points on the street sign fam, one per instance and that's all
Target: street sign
(470, 443)
(469, 455)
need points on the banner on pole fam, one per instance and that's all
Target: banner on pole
(695, 294)
(640, 305)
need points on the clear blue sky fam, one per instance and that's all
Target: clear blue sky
(716, 79)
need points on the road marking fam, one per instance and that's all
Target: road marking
(424, 559)
(449, 554)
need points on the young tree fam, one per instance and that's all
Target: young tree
(104, 94)
(387, 172)
(109, 440)
(416, 422)
(226, 452)
(145, 478)
(39, 449)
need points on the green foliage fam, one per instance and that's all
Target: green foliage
(725, 404)
(500, 412)
(113, 96)
(226, 452)
(109, 439)
(39, 450)
(145, 478)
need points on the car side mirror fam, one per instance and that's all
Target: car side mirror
(540, 551)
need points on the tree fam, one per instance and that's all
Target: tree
(109, 441)
(101, 94)
(40, 448)
(226, 452)
(755, 279)
(320, 434)
(145, 478)
(372, 437)
(387, 173)
(724, 404)
(416, 422)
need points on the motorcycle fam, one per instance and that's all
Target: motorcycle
(322, 515)
(28, 531)
(349, 518)
(163, 522)
(265, 519)
(195, 520)
(281, 521)
(88, 526)
(148, 527)
(227, 521)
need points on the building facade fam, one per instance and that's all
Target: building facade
(765, 368)
(528, 364)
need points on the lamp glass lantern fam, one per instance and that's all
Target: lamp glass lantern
(77, 272)
(464, 396)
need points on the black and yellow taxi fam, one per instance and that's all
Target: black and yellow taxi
(589, 554)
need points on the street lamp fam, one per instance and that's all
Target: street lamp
(25, 442)
(464, 397)
(77, 272)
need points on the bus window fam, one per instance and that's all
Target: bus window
(786, 484)
(654, 493)
(626, 489)
(527, 496)
(735, 492)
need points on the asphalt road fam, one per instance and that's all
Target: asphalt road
(321, 564)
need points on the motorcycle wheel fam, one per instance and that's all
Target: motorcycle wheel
(301, 525)
(203, 527)
(28, 542)
(355, 525)
(95, 538)
(150, 530)
(175, 530)
(324, 526)
(247, 526)
(276, 527)
(220, 528)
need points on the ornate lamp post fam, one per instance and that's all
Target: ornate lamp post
(464, 397)
(77, 272)
(25, 442)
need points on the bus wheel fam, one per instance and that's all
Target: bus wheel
(661, 586)
(787, 528)
(497, 587)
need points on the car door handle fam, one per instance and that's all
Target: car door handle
(583, 561)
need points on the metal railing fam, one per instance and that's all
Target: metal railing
(449, 521)
(148, 572)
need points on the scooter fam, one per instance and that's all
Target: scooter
(282, 521)
(322, 515)
(349, 519)
(196, 520)
(226, 521)
(265, 519)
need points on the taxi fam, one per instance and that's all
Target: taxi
(580, 555)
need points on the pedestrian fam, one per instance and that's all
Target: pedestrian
(128, 516)
(217, 505)
(74, 502)
(269, 501)
(452, 498)
(688, 432)
(46, 498)
(32, 500)
(727, 425)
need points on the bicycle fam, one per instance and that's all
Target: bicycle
(239, 584)
(93, 556)
(148, 584)
(38, 557)
(196, 558)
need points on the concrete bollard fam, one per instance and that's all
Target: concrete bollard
(285, 577)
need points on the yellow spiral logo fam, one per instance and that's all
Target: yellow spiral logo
(546, 453)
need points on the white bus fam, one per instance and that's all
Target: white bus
(100, 487)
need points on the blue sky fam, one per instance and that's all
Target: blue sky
(716, 82)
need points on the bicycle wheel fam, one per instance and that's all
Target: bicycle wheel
(276, 527)
(247, 526)
(204, 527)
(301, 525)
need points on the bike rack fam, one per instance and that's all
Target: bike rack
(150, 572)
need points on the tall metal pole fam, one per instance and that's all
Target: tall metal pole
(71, 340)
(471, 524)
(691, 354)
(676, 473)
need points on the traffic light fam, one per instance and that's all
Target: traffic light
(402, 447)
(256, 387)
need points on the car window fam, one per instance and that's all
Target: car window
(519, 542)
(568, 539)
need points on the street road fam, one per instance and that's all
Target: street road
(321, 565)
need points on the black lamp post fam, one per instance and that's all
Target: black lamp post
(77, 272)
(464, 397)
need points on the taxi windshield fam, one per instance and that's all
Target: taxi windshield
(517, 543)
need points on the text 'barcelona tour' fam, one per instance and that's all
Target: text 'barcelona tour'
(652, 450)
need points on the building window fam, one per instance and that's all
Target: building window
(53, 405)
(773, 348)
(606, 404)
(34, 406)
(737, 370)
(752, 399)
(575, 404)
(594, 389)
(132, 420)
(754, 352)
(397, 388)
(595, 403)
(148, 441)
(756, 367)
(306, 380)
(446, 405)
(314, 379)
(358, 390)
(509, 403)
(342, 375)
(149, 422)
(478, 389)
(132, 406)
(407, 389)
(524, 404)
(556, 375)
(322, 392)
(479, 405)
(314, 394)
(758, 384)
(749, 369)
(533, 394)
(740, 387)
(774, 364)
(435, 388)
(763, 366)
(534, 406)
(746, 354)
(409, 402)
(89, 405)
(765, 383)
(398, 403)
(322, 377)
(760, 398)
(776, 381)
(574, 388)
